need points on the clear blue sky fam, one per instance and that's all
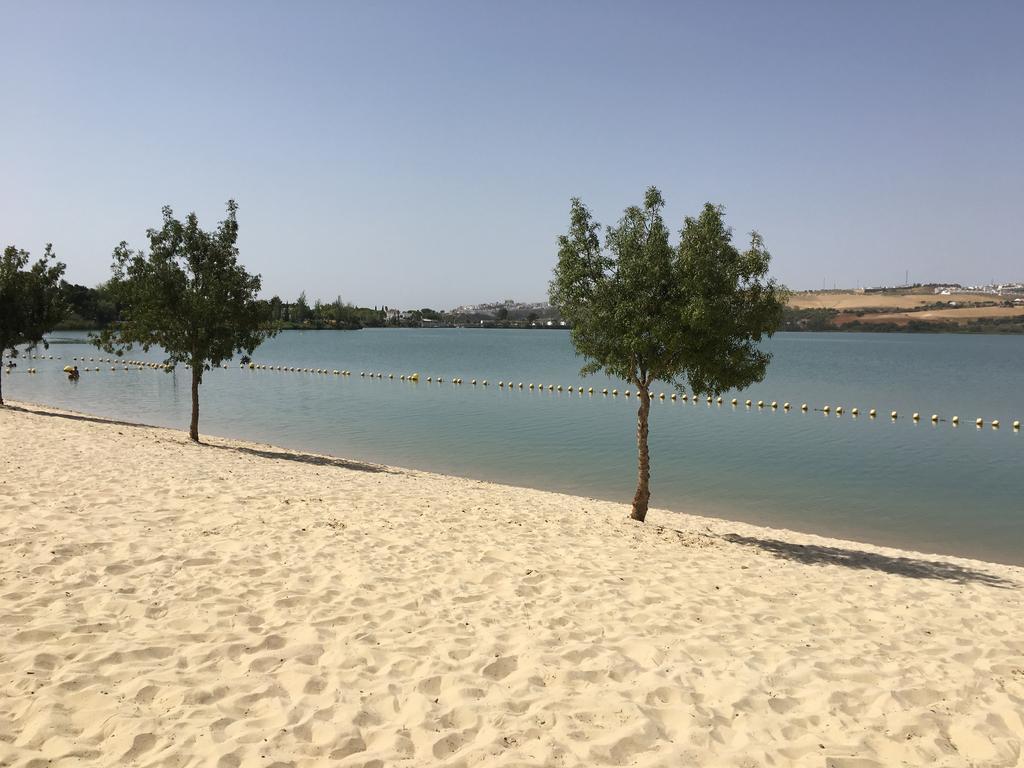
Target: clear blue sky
(424, 153)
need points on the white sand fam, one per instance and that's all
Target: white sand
(167, 604)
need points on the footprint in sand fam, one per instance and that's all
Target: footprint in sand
(452, 743)
(502, 668)
(348, 747)
(140, 745)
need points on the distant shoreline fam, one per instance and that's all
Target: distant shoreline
(1011, 327)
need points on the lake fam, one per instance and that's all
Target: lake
(934, 488)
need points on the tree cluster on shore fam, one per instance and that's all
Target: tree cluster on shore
(95, 309)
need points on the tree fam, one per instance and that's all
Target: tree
(645, 311)
(300, 310)
(189, 296)
(31, 301)
(276, 309)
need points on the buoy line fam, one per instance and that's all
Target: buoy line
(503, 385)
(673, 397)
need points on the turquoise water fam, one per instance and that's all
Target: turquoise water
(931, 488)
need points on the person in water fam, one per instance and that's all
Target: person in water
(73, 374)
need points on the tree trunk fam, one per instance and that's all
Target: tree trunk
(193, 430)
(643, 480)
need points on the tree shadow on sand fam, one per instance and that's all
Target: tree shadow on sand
(78, 417)
(911, 567)
(263, 453)
(304, 458)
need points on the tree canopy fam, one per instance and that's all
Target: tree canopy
(189, 296)
(31, 302)
(645, 311)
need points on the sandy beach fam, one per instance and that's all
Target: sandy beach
(232, 604)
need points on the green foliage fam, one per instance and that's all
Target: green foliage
(31, 303)
(300, 311)
(189, 296)
(643, 310)
(794, 319)
(88, 308)
(646, 311)
(334, 315)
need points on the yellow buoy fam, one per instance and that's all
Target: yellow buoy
(995, 424)
(827, 408)
(785, 406)
(520, 385)
(893, 415)
(854, 411)
(916, 416)
(626, 393)
(484, 382)
(551, 387)
(615, 392)
(719, 400)
(685, 397)
(774, 404)
(1016, 425)
(760, 403)
(590, 390)
(604, 391)
(673, 396)
(531, 386)
(650, 395)
(559, 387)
(839, 410)
(979, 422)
(748, 403)
(661, 396)
(935, 417)
(955, 420)
(803, 407)
(414, 377)
(709, 398)
(872, 413)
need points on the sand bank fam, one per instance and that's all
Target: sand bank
(232, 604)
